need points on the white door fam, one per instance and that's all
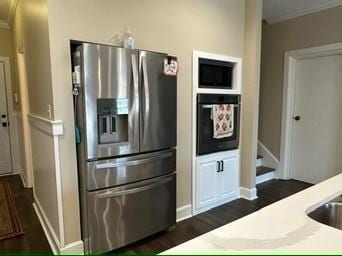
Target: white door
(5, 150)
(229, 177)
(317, 135)
(207, 190)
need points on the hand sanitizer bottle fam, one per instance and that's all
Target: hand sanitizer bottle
(128, 41)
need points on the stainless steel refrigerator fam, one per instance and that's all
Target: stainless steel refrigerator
(125, 115)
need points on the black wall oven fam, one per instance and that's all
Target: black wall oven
(215, 74)
(207, 140)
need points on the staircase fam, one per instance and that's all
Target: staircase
(263, 173)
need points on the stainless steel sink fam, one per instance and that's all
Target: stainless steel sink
(329, 213)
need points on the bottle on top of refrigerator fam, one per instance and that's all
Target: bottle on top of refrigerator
(128, 41)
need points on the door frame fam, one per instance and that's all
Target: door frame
(290, 62)
(10, 111)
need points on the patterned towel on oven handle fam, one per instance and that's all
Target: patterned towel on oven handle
(223, 120)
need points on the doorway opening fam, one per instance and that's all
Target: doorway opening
(312, 98)
(6, 117)
(24, 132)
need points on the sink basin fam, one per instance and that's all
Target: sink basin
(330, 213)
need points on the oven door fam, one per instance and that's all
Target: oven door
(206, 143)
(122, 215)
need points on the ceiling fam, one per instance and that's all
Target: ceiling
(273, 10)
(280, 10)
(7, 9)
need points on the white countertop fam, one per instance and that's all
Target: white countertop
(282, 226)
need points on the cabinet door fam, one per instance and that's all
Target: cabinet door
(229, 180)
(207, 190)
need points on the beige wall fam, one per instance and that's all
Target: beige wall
(30, 33)
(311, 30)
(250, 92)
(176, 27)
(5, 43)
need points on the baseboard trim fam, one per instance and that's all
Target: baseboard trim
(247, 193)
(264, 177)
(46, 228)
(184, 212)
(72, 248)
(23, 180)
(268, 159)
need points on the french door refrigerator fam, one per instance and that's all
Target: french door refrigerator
(126, 118)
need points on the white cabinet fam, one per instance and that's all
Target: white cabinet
(217, 180)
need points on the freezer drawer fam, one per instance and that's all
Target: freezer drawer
(123, 170)
(120, 216)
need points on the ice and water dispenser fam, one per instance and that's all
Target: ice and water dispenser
(112, 120)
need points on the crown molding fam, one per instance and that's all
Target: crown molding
(309, 10)
(10, 16)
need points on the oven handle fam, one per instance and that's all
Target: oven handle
(211, 105)
(132, 162)
(133, 190)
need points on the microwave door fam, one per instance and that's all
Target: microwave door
(158, 113)
(111, 100)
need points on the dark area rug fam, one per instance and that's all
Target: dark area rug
(10, 225)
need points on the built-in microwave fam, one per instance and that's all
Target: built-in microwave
(215, 74)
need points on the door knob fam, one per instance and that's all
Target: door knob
(297, 118)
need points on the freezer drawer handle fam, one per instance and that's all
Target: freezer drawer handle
(133, 190)
(133, 162)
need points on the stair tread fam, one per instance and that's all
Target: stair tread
(259, 156)
(263, 169)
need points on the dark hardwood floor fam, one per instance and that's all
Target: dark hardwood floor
(34, 239)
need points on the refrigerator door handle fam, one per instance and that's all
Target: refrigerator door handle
(132, 162)
(147, 98)
(110, 194)
(135, 82)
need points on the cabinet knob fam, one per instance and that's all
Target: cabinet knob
(221, 166)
